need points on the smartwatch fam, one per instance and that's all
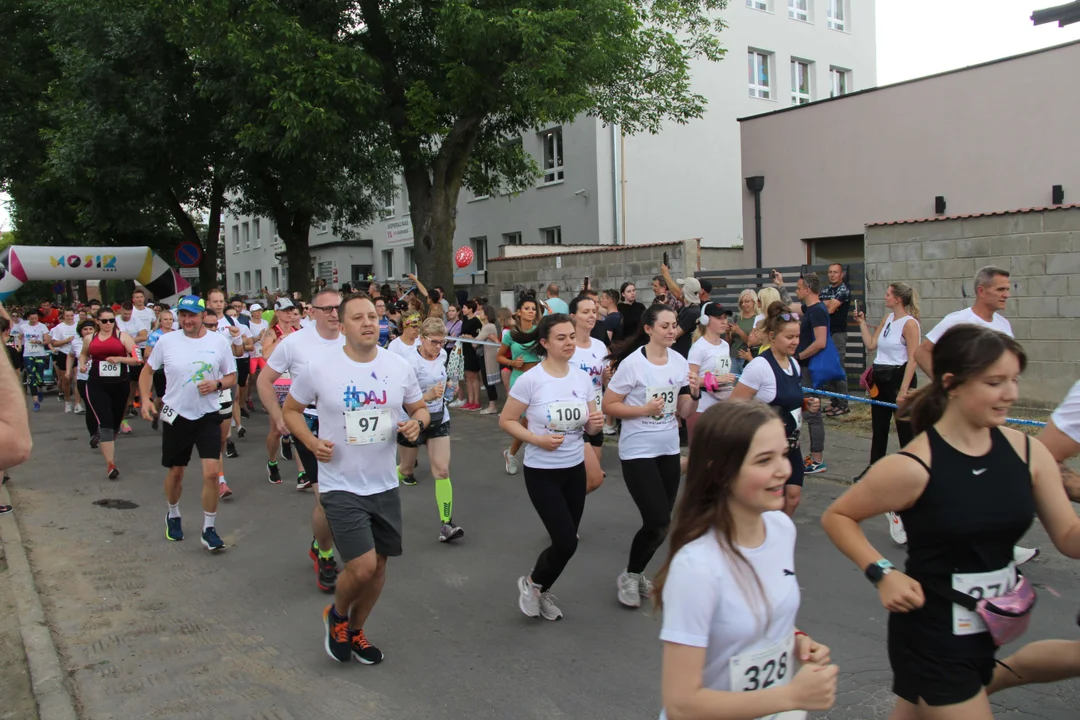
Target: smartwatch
(875, 572)
(421, 424)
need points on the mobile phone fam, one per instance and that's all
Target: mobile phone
(666, 260)
(586, 285)
(856, 307)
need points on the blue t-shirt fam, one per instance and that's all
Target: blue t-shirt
(558, 305)
(816, 316)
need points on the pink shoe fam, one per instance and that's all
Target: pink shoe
(471, 407)
(224, 491)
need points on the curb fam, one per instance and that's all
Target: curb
(46, 676)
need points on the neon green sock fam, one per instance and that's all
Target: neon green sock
(400, 477)
(326, 554)
(444, 496)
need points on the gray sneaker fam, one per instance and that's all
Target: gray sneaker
(629, 589)
(644, 586)
(511, 463)
(528, 597)
(548, 609)
(449, 532)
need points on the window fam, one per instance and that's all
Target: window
(836, 14)
(839, 81)
(799, 10)
(479, 248)
(236, 282)
(757, 5)
(389, 200)
(553, 155)
(273, 229)
(800, 82)
(258, 232)
(388, 264)
(247, 281)
(322, 228)
(513, 238)
(275, 279)
(552, 235)
(758, 66)
(236, 238)
(245, 235)
(258, 280)
(410, 261)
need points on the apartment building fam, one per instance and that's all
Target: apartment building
(600, 186)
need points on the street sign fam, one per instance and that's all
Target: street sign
(188, 255)
(189, 272)
(58, 289)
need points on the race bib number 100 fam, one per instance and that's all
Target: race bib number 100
(567, 416)
(367, 427)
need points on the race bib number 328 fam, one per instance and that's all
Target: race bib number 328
(765, 668)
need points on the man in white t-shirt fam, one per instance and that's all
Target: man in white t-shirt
(142, 314)
(199, 368)
(992, 290)
(361, 391)
(60, 338)
(294, 355)
(230, 415)
(126, 322)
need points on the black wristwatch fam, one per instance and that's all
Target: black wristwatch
(420, 423)
(219, 385)
(875, 572)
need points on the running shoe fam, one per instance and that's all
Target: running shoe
(7, 479)
(471, 407)
(251, 405)
(645, 586)
(131, 412)
(5, 509)
(241, 431)
(79, 410)
(223, 490)
(273, 474)
(125, 427)
(67, 408)
(302, 482)
(95, 440)
(814, 468)
(610, 430)
(230, 449)
(113, 472)
(1021, 555)
(211, 541)
(37, 406)
(338, 643)
(488, 411)
(449, 532)
(629, 585)
(244, 413)
(548, 609)
(457, 404)
(173, 529)
(511, 463)
(896, 528)
(363, 651)
(406, 479)
(59, 397)
(154, 424)
(313, 550)
(528, 597)
(286, 447)
(326, 572)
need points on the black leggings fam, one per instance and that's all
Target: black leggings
(881, 417)
(492, 392)
(107, 401)
(91, 419)
(653, 484)
(559, 499)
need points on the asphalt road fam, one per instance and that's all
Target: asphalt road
(153, 629)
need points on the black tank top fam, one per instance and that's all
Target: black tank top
(967, 520)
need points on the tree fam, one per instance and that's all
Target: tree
(445, 83)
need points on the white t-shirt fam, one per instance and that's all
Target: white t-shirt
(591, 361)
(363, 400)
(187, 362)
(225, 322)
(968, 317)
(306, 322)
(144, 320)
(649, 437)
(33, 337)
(295, 352)
(711, 601)
(398, 347)
(63, 332)
(758, 375)
(892, 348)
(555, 406)
(76, 348)
(1067, 415)
(130, 327)
(712, 360)
(257, 330)
(430, 373)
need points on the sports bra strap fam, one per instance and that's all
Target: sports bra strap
(916, 459)
(1027, 450)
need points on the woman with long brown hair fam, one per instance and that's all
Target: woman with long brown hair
(728, 588)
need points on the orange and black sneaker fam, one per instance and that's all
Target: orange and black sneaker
(339, 639)
(363, 651)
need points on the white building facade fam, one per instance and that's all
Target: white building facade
(601, 187)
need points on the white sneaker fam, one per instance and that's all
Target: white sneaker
(511, 463)
(548, 609)
(609, 429)
(457, 403)
(67, 407)
(629, 585)
(79, 410)
(528, 597)
(896, 528)
(1021, 555)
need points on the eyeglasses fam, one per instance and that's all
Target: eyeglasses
(789, 316)
(106, 320)
(209, 325)
(433, 341)
(326, 308)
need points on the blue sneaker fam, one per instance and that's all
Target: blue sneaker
(211, 541)
(173, 531)
(813, 468)
(37, 406)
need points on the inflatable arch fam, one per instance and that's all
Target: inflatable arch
(21, 263)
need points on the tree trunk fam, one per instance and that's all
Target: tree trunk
(81, 291)
(297, 250)
(208, 268)
(434, 222)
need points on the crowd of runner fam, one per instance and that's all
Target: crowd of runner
(356, 383)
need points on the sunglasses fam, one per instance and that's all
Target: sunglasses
(106, 320)
(209, 325)
(789, 316)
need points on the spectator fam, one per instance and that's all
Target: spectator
(554, 304)
(690, 315)
(813, 337)
(741, 327)
(837, 299)
(609, 301)
(630, 310)
(442, 298)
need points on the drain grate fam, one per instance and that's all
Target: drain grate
(117, 504)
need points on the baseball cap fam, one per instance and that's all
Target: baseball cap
(256, 308)
(191, 304)
(284, 304)
(713, 309)
(690, 285)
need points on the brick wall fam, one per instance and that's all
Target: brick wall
(1041, 250)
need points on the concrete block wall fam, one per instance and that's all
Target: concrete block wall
(1041, 250)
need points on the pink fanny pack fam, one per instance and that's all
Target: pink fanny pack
(1008, 616)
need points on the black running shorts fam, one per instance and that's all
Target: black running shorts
(181, 435)
(362, 522)
(935, 678)
(436, 431)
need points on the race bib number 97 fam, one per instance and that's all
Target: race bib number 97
(367, 427)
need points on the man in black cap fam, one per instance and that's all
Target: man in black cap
(694, 293)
